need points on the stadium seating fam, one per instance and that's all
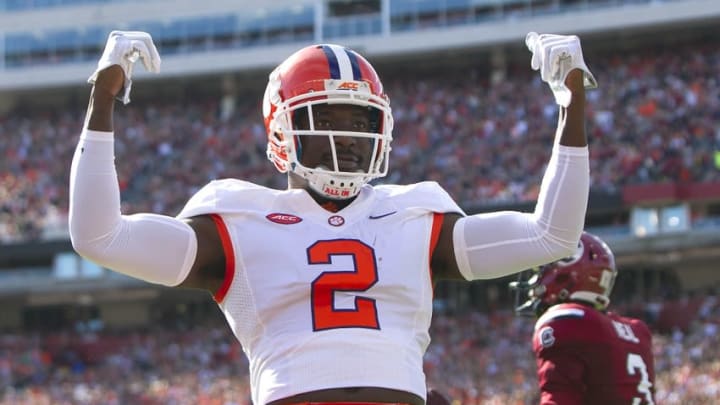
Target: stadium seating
(476, 358)
(469, 129)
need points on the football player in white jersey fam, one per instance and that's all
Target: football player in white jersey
(327, 284)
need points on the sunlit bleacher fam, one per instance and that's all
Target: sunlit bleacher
(252, 27)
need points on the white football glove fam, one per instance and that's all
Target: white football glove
(124, 48)
(555, 56)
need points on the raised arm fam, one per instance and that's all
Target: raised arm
(571, 119)
(155, 248)
(101, 107)
(496, 244)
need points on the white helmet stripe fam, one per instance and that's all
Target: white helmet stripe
(346, 72)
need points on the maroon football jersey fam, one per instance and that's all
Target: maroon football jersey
(585, 356)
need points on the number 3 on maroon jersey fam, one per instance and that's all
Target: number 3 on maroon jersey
(636, 365)
(363, 276)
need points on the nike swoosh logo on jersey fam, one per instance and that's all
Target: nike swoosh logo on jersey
(382, 215)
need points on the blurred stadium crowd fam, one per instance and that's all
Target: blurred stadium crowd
(475, 358)
(654, 118)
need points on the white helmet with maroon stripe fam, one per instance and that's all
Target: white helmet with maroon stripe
(325, 74)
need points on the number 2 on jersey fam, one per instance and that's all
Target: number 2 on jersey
(636, 362)
(363, 276)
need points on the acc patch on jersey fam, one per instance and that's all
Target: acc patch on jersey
(547, 338)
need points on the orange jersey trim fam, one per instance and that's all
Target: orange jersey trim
(220, 294)
(438, 220)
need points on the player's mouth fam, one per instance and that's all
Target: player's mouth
(347, 162)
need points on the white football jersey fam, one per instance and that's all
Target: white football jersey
(326, 300)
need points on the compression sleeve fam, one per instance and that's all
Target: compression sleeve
(155, 248)
(497, 244)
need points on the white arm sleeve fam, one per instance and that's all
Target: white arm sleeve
(497, 244)
(155, 248)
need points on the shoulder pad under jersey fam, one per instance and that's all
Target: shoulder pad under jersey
(553, 314)
(229, 196)
(425, 196)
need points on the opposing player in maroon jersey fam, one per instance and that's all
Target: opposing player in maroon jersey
(584, 353)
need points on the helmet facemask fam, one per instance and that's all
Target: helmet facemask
(528, 288)
(294, 122)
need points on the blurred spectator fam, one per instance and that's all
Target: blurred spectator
(653, 119)
(475, 358)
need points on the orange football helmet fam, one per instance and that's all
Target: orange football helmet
(325, 74)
